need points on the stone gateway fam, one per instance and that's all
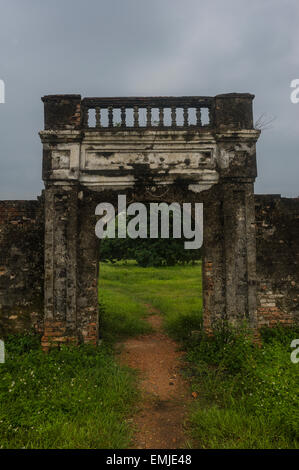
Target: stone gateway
(165, 149)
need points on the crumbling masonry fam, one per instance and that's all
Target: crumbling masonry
(188, 149)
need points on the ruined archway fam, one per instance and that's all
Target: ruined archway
(187, 161)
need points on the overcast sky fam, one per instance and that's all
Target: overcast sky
(147, 47)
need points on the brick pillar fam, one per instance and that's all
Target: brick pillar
(61, 236)
(229, 267)
(213, 271)
(239, 253)
(88, 262)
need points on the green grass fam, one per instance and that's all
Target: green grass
(81, 398)
(125, 288)
(78, 397)
(248, 396)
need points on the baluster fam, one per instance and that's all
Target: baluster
(198, 117)
(110, 116)
(149, 117)
(186, 116)
(136, 116)
(123, 116)
(161, 117)
(173, 116)
(98, 117)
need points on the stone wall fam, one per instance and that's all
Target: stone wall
(277, 244)
(21, 265)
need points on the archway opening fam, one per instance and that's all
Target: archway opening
(144, 274)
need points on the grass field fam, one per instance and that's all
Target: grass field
(247, 396)
(126, 288)
(82, 398)
(72, 398)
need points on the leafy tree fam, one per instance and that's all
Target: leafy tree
(147, 251)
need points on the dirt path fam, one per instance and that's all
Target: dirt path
(160, 421)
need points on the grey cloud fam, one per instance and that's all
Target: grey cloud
(137, 47)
